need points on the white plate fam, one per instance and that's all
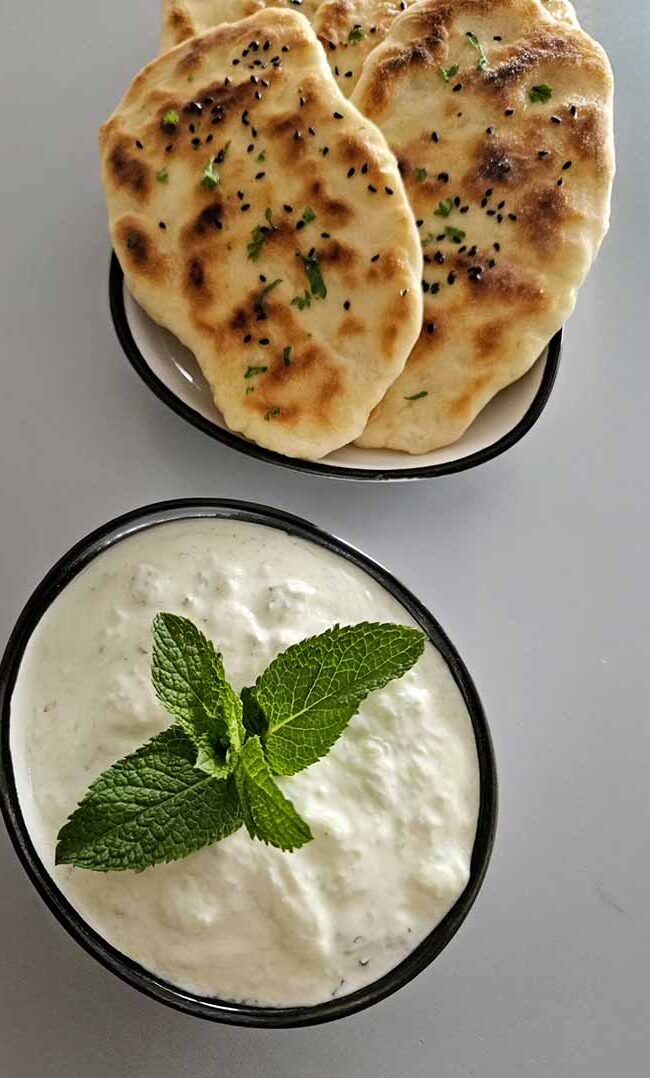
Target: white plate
(173, 374)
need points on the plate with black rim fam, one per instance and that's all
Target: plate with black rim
(218, 1010)
(173, 374)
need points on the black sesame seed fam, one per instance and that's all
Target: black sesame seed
(512, 216)
(501, 205)
(336, 71)
(161, 224)
(509, 112)
(372, 189)
(543, 153)
(349, 74)
(435, 137)
(375, 258)
(497, 246)
(431, 327)
(258, 96)
(253, 79)
(473, 251)
(235, 62)
(443, 177)
(325, 150)
(139, 144)
(300, 225)
(439, 258)
(456, 202)
(287, 208)
(420, 222)
(491, 213)
(264, 341)
(461, 250)
(484, 203)
(297, 136)
(325, 235)
(566, 166)
(250, 147)
(500, 218)
(262, 278)
(192, 128)
(497, 37)
(492, 263)
(364, 168)
(260, 175)
(311, 130)
(347, 305)
(210, 137)
(244, 118)
(337, 115)
(196, 142)
(464, 209)
(265, 82)
(351, 172)
(240, 196)
(331, 46)
(560, 183)
(302, 102)
(285, 48)
(555, 120)
(574, 112)
(489, 131)
(434, 289)
(245, 207)
(168, 149)
(425, 286)
(248, 338)
(389, 190)
(458, 87)
(208, 100)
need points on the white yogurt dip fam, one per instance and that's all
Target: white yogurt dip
(393, 807)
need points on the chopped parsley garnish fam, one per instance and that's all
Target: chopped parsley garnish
(449, 72)
(314, 275)
(428, 239)
(171, 119)
(302, 301)
(163, 176)
(271, 414)
(418, 396)
(252, 371)
(444, 208)
(262, 156)
(476, 44)
(541, 93)
(456, 235)
(308, 216)
(286, 356)
(421, 174)
(211, 177)
(357, 34)
(258, 302)
(258, 237)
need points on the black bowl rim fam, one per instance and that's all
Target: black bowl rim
(217, 1010)
(311, 467)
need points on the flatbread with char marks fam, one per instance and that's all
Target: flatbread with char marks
(259, 217)
(501, 120)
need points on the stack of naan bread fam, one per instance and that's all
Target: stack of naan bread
(364, 217)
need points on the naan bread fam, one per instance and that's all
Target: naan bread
(511, 193)
(259, 217)
(183, 19)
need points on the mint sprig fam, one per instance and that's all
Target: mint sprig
(212, 770)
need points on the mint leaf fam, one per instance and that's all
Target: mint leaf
(190, 682)
(152, 806)
(314, 275)
(310, 692)
(267, 813)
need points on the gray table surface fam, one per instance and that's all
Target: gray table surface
(536, 564)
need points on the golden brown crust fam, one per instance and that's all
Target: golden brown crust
(510, 184)
(230, 261)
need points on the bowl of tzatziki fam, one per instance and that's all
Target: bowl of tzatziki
(388, 831)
